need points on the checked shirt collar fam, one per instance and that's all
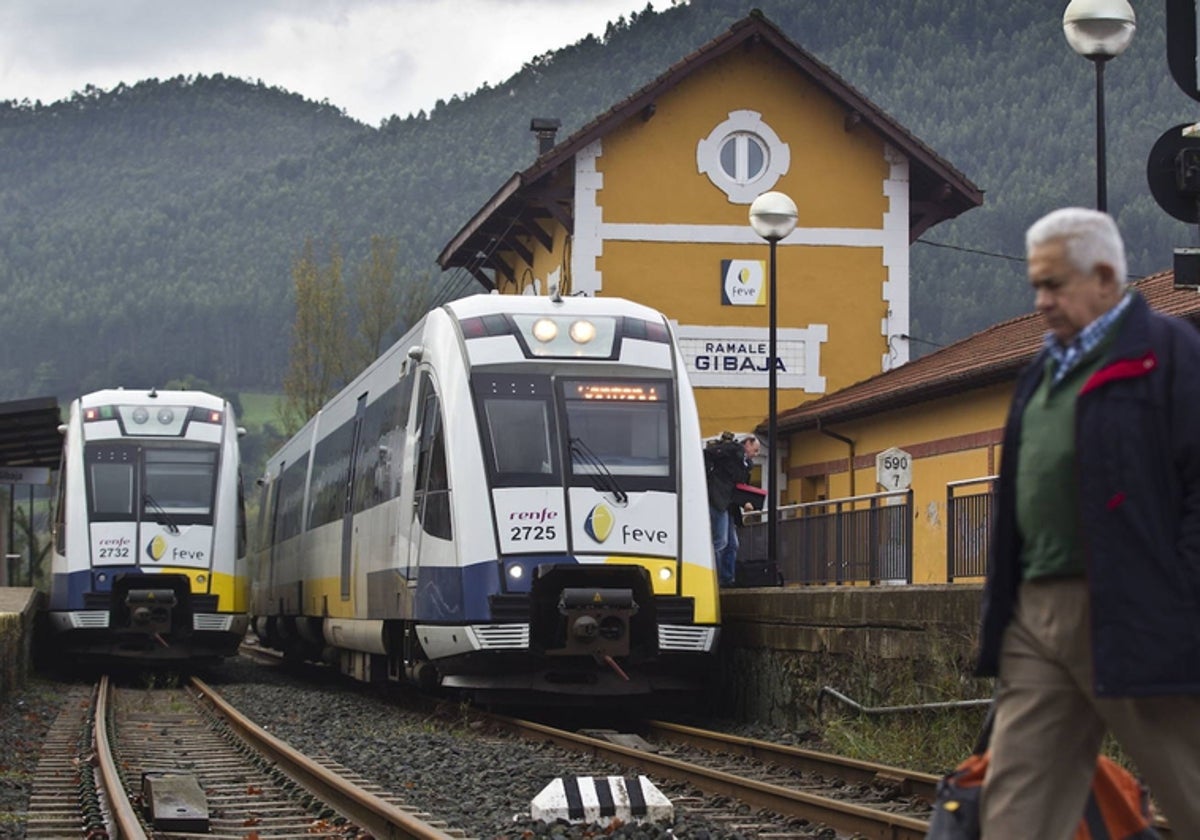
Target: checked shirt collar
(1067, 357)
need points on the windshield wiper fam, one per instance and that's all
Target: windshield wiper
(163, 518)
(602, 478)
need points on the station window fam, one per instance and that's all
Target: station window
(743, 157)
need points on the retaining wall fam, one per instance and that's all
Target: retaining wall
(880, 646)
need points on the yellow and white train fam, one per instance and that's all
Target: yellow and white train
(509, 500)
(149, 529)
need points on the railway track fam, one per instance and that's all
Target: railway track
(756, 782)
(745, 786)
(134, 763)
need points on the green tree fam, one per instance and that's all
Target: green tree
(318, 361)
(377, 300)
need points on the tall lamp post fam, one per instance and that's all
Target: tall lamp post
(1099, 30)
(773, 216)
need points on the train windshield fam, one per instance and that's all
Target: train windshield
(622, 428)
(598, 431)
(128, 482)
(181, 481)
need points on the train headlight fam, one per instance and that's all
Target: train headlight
(545, 330)
(582, 332)
(166, 416)
(140, 415)
(567, 336)
(515, 571)
(664, 573)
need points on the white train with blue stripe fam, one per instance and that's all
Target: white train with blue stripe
(149, 529)
(510, 499)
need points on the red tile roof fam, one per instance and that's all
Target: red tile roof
(994, 355)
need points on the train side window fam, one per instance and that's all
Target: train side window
(289, 515)
(433, 480)
(330, 474)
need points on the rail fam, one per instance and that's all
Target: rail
(125, 822)
(856, 539)
(382, 819)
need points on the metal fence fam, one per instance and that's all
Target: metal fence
(969, 505)
(858, 539)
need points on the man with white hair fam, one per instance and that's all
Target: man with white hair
(1091, 612)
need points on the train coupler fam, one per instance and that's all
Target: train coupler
(596, 621)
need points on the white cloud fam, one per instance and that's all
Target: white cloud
(374, 58)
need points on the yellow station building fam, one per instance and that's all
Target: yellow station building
(650, 201)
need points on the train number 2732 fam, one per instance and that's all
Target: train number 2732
(114, 552)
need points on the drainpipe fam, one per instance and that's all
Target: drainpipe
(846, 441)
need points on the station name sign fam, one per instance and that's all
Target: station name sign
(739, 357)
(24, 475)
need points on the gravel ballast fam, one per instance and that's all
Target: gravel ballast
(438, 762)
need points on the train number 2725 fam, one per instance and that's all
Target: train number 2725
(533, 533)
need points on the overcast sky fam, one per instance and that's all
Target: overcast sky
(372, 58)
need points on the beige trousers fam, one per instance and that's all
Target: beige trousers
(1049, 727)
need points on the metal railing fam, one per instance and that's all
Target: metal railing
(857, 539)
(968, 526)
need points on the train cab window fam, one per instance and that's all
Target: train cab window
(110, 480)
(516, 419)
(519, 432)
(181, 482)
(623, 428)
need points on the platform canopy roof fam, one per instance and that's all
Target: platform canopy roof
(29, 435)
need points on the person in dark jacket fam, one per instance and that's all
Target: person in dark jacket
(728, 464)
(1091, 611)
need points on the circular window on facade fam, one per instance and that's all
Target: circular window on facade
(743, 157)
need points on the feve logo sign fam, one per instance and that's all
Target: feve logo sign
(742, 282)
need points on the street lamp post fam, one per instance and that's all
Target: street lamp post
(773, 217)
(1099, 30)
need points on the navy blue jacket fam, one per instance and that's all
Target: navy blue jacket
(1137, 442)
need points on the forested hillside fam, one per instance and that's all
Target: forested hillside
(146, 233)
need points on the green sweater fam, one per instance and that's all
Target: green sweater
(1047, 491)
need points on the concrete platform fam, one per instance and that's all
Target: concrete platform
(18, 599)
(18, 606)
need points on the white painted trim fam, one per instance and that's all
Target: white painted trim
(708, 156)
(897, 288)
(587, 244)
(739, 235)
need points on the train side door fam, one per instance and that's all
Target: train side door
(348, 506)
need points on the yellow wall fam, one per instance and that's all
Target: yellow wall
(838, 287)
(950, 439)
(649, 167)
(836, 178)
(650, 177)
